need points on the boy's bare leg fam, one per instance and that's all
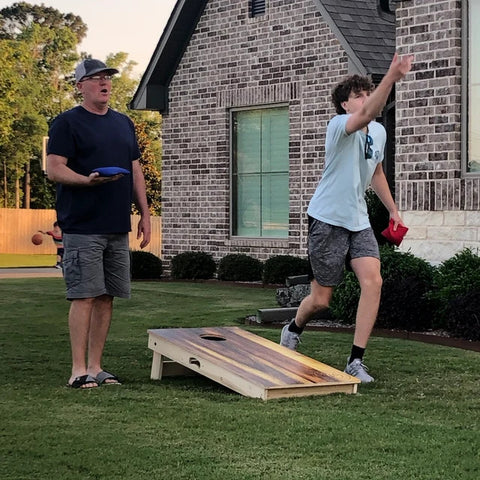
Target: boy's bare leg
(318, 299)
(367, 270)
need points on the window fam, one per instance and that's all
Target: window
(257, 7)
(472, 46)
(260, 165)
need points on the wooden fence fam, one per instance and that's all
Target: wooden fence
(17, 225)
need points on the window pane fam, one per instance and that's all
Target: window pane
(275, 205)
(248, 206)
(248, 144)
(260, 173)
(474, 88)
(275, 141)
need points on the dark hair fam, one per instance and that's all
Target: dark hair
(341, 92)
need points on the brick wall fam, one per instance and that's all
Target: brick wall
(429, 127)
(288, 56)
(291, 57)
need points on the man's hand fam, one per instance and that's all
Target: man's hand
(59, 172)
(96, 179)
(144, 228)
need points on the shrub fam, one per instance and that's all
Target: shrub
(145, 265)
(454, 277)
(193, 266)
(277, 268)
(345, 299)
(404, 303)
(239, 267)
(463, 316)
(406, 282)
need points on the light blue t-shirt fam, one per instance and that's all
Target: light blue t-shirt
(340, 195)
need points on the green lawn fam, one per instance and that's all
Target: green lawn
(8, 260)
(419, 420)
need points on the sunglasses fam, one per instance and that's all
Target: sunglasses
(97, 78)
(368, 146)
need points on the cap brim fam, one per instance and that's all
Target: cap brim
(108, 71)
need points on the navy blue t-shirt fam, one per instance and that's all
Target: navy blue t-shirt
(90, 141)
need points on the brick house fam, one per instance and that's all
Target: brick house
(244, 89)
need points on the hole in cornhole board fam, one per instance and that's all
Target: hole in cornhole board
(215, 338)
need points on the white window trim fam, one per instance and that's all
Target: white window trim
(466, 89)
(230, 212)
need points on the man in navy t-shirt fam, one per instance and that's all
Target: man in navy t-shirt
(93, 211)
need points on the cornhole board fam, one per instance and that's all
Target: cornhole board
(244, 362)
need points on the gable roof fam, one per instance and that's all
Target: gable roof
(367, 34)
(152, 92)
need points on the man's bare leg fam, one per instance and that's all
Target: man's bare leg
(99, 326)
(79, 318)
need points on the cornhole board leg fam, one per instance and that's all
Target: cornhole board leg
(163, 367)
(216, 373)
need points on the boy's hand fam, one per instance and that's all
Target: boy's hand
(400, 66)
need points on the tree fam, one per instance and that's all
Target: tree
(38, 46)
(20, 16)
(151, 172)
(9, 87)
(38, 54)
(147, 126)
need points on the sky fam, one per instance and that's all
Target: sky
(131, 26)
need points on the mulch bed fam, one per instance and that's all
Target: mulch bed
(435, 337)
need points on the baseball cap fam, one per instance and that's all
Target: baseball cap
(90, 67)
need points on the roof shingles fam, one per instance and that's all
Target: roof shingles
(366, 35)
(369, 35)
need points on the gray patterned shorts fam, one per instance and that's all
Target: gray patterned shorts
(330, 246)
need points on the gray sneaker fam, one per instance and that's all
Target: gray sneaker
(289, 339)
(359, 370)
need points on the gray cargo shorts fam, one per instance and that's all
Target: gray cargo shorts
(95, 265)
(330, 246)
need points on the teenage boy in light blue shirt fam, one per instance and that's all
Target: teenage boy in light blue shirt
(339, 227)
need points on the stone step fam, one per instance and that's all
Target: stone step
(270, 315)
(284, 314)
(297, 280)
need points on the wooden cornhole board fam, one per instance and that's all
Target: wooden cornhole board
(244, 362)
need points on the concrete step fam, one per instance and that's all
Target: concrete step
(284, 314)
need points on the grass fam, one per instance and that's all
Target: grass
(419, 420)
(9, 260)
